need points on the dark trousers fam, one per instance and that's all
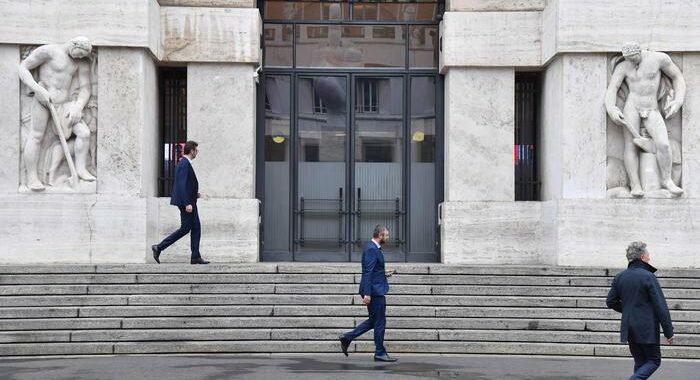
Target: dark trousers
(647, 359)
(189, 223)
(376, 321)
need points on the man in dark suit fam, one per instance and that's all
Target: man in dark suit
(636, 294)
(373, 288)
(184, 196)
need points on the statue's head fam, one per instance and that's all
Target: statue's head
(79, 47)
(632, 52)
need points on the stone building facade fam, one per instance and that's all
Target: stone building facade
(482, 47)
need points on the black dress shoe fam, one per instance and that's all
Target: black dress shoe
(344, 344)
(156, 253)
(384, 358)
(199, 260)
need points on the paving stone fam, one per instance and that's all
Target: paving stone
(245, 278)
(63, 300)
(482, 301)
(18, 290)
(36, 279)
(169, 335)
(34, 336)
(483, 348)
(486, 323)
(175, 311)
(38, 312)
(60, 323)
(223, 347)
(250, 299)
(62, 349)
(238, 322)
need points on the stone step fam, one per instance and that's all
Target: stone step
(317, 334)
(331, 268)
(366, 347)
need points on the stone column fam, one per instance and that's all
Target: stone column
(691, 126)
(221, 118)
(9, 120)
(573, 130)
(479, 130)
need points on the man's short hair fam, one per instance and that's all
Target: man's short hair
(631, 48)
(378, 230)
(636, 250)
(190, 146)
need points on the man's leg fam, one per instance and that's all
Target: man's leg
(195, 234)
(82, 148)
(652, 354)
(656, 127)
(40, 118)
(631, 152)
(362, 327)
(379, 325)
(638, 355)
(186, 221)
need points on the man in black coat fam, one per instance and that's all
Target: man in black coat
(184, 196)
(636, 294)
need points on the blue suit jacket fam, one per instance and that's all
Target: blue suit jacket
(186, 186)
(373, 281)
(636, 294)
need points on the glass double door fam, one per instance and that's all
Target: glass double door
(340, 168)
(349, 165)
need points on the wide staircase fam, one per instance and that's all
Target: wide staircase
(301, 308)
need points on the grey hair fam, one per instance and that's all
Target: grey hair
(636, 250)
(378, 230)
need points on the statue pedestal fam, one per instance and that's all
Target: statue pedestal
(650, 177)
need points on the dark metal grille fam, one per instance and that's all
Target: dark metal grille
(527, 94)
(173, 124)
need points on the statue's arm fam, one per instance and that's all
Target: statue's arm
(669, 68)
(35, 59)
(618, 76)
(84, 84)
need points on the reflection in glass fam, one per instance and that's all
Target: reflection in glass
(398, 11)
(321, 198)
(306, 10)
(350, 46)
(277, 160)
(423, 46)
(423, 203)
(378, 158)
(278, 45)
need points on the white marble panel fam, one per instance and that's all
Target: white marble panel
(9, 118)
(597, 232)
(105, 22)
(491, 233)
(209, 3)
(690, 128)
(573, 138)
(550, 136)
(211, 34)
(494, 5)
(491, 39)
(221, 119)
(479, 128)
(550, 17)
(602, 25)
(80, 228)
(127, 121)
(229, 230)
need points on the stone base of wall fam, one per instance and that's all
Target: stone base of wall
(571, 232)
(85, 228)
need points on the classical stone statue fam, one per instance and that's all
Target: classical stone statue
(59, 78)
(652, 89)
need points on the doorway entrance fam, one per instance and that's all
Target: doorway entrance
(348, 139)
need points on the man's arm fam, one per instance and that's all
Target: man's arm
(369, 261)
(618, 76)
(613, 301)
(660, 306)
(180, 182)
(35, 59)
(669, 68)
(84, 94)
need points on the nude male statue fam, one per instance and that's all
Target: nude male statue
(642, 70)
(58, 66)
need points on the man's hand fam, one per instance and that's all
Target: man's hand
(617, 116)
(366, 300)
(672, 108)
(671, 340)
(188, 208)
(390, 272)
(74, 114)
(43, 96)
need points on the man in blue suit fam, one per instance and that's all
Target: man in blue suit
(184, 196)
(373, 288)
(636, 294)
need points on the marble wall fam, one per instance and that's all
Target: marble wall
(479, 128)
(494, 5)
(9, 118)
